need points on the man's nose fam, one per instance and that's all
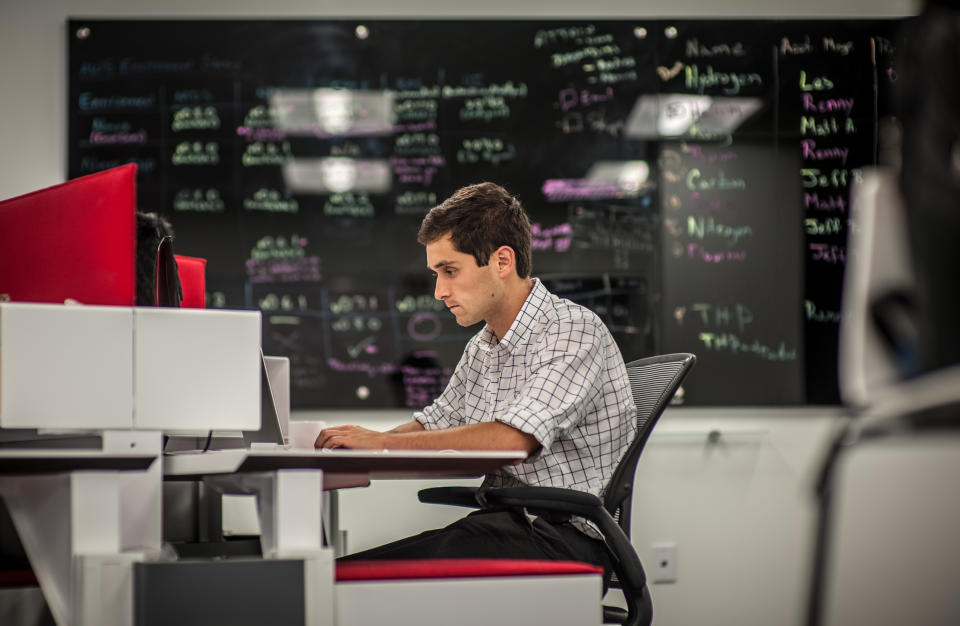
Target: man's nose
(440, 291)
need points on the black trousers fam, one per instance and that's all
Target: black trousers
(497, 533)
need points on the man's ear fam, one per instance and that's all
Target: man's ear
(506, 260)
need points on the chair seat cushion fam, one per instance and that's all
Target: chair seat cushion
(458, 568)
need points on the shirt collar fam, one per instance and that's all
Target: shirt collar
(523, 323)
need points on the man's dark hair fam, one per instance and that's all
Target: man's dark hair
(481, 218)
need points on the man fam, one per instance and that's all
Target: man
(543, 375)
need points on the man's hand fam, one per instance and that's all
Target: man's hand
(350, 436)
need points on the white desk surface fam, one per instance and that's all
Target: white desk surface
(373, 463)
(52, 461)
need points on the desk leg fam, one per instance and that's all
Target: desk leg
(289, 506)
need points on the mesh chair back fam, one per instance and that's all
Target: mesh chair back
(653, 381)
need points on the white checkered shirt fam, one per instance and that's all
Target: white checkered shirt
(557, 375)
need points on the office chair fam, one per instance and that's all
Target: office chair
(653, 381)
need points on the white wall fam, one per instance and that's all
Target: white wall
(739, 510)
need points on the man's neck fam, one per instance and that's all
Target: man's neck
(517, 292)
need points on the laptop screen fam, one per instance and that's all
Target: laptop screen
(269, 417)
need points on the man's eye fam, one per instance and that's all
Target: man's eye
(450, 271)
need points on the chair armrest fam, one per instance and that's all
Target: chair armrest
(455, 496)
(626, 562)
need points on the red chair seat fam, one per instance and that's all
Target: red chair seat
(349, 571)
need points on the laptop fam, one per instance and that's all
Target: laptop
(270, 431)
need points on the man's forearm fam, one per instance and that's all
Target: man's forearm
(409, 427)
(485, 436)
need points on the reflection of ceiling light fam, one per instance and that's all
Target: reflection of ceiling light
(686, 115)
(333, 108)
(337, 175)
(633, 175)
(332, 112)
(628, 176)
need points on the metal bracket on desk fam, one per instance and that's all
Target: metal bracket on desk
(289, 507)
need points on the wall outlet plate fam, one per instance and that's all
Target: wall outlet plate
(664, 564)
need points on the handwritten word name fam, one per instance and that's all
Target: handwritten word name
(696, 49)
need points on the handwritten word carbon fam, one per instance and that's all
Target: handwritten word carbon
(696, 181)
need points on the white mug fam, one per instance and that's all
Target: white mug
(303, 433)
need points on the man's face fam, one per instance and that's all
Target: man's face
(471, 293)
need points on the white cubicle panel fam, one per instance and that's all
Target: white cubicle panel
(65, 367)
(196, 369)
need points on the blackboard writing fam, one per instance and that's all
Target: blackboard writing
(687, 180)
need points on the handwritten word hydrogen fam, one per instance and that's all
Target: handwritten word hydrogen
(732, 82)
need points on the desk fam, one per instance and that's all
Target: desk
(69, 508)
(289, 486)
(243, 471)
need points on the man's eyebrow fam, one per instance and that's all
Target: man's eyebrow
(441, 264)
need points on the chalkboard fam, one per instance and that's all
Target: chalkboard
(687, 180)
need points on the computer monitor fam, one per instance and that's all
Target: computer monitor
(73, 241)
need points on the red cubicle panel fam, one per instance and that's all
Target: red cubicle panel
(193, 281)
(76, 240)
